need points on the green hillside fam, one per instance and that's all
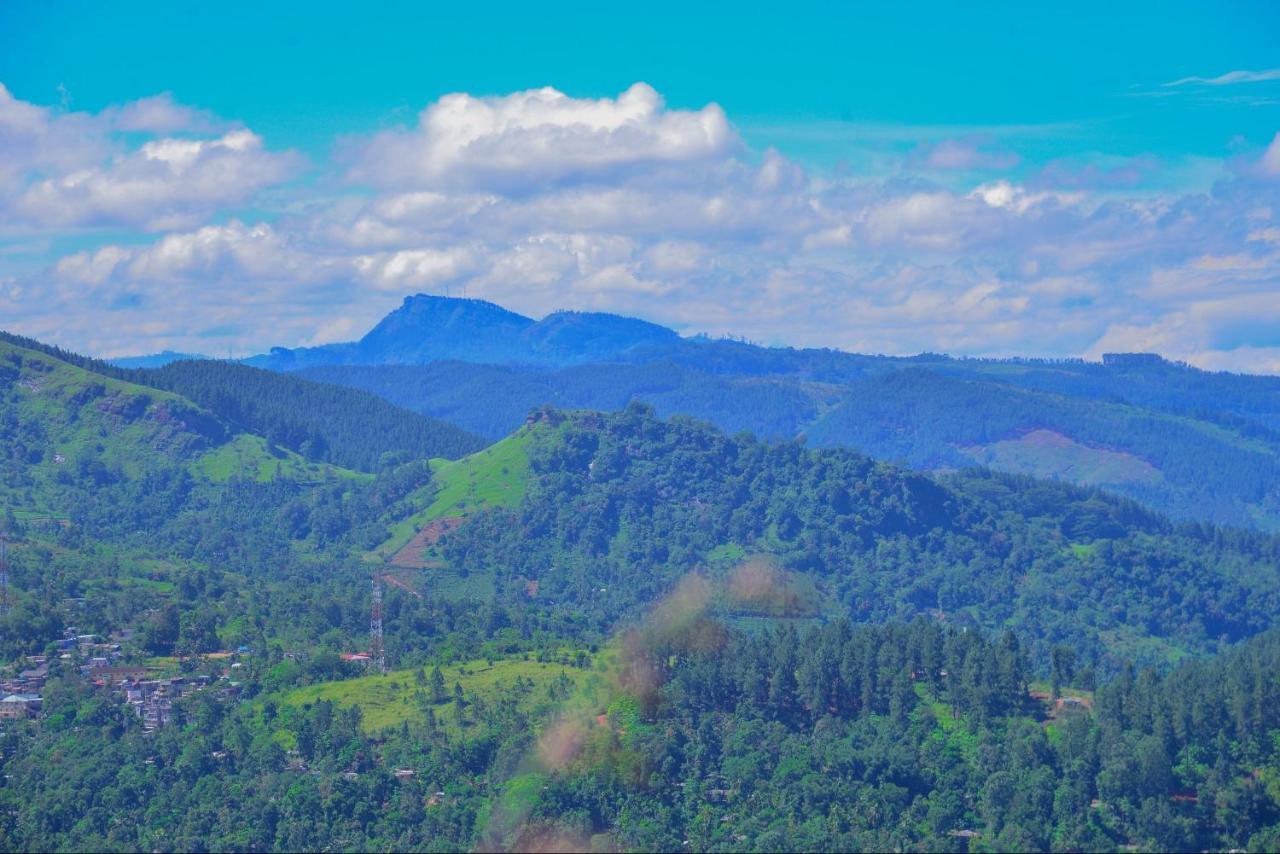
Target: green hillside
(68, 425)
(494, 477)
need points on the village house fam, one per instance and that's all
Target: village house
(19, 706)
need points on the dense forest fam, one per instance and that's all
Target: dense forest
(627, 502)
(318, 421)
(624, 633)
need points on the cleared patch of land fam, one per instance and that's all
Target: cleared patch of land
(414, 555)
(1048, 454)
(249, 456)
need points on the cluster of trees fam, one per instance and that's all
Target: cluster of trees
(927, 765)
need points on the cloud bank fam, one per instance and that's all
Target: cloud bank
(540, 200)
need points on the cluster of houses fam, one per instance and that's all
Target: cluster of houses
(21, 692)
(152, 698)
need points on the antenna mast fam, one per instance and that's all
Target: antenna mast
(377, 656)
(4, 573)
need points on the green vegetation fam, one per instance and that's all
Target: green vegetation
(251, 457)
(494, 477)
(630, 634)
(401, 696)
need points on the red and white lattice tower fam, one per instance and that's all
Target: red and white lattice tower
(4, 573)
(377, 656)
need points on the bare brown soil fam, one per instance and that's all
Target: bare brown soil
(411, 556)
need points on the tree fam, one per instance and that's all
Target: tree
(1062, 661)
(438, 691)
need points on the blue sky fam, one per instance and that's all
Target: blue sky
(1045, 181)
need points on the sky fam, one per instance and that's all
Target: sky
(223, 178)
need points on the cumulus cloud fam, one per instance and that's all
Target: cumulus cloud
(159, 114)
(540, 137)
(539, 201)
(167, 183)
(61, 170)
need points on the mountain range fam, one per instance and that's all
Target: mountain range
(1193, 444)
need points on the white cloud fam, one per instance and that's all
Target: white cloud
(416, 269)
(159, 114)
(540, 137)
(63, 170)
(166, 183)
(1270, 162)
(541, 201)
(962, 155)
(1241, 76)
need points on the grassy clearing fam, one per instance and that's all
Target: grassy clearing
(727, 553)
(250, 456)
(390, 700)
(1046, 454)
(951, 731)
(494, 477)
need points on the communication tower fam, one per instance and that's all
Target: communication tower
(377, 655)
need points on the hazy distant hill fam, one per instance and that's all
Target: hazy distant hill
(427, 329)
(154, 360)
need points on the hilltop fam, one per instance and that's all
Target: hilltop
(428, 328)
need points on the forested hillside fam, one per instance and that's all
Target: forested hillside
(606, 631)
(323, 422)
(620, 505)
(1187, 443)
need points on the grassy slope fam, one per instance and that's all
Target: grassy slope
(49, 393)
(1047, 454)
(250, 456)
(494, 477)
(389, 700)
(73, 414)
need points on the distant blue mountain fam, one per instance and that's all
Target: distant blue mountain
(427, 329)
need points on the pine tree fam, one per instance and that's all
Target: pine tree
(438, 694)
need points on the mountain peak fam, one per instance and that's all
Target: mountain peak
(427, 328)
